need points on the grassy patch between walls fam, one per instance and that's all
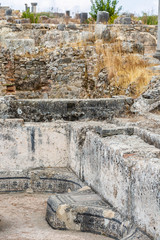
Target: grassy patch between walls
(126, 71)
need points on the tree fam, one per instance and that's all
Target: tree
(105, 5)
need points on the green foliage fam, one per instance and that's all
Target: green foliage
(149, 19)
(33, 17)
(112, 18)
(47, 14)
(105, 5)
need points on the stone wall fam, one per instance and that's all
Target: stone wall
(122, 168)
(69, 110)
(59, 74)
(26, 146)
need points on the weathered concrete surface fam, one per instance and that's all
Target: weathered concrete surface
(146, 196)
(116, 167)
(32, 145)
(50, 180)
(85, 211)
(69, 110)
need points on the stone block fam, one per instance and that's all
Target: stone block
(14, 181)
(125, 20)
(87, 36)
(61, 27)
(8, 12)
(85, 211)
(102, 17)
(84, 17)
(72, 26)
(22, 21)
(67, 13)
(99, 30)
(46, 110)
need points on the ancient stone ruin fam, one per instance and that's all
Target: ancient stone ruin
(95, 157)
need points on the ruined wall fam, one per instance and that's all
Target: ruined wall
(48, 61)
(59, 74)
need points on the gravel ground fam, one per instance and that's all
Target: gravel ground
(23, 218)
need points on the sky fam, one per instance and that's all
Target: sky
(132, 6)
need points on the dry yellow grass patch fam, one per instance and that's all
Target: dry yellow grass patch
(125, 71)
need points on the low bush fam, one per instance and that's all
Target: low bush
(33, 17)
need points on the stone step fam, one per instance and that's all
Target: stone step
(85, 211)
(49, 180)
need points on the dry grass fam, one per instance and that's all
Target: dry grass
(125, 71)
(128, 73)
(67, 20)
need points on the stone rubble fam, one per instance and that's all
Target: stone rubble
(47, 60)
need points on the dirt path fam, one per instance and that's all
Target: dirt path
(23, 218)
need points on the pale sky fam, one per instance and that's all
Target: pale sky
(134, 6)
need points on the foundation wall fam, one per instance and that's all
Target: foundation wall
(26, 146)
(69, 110)
(124, 170)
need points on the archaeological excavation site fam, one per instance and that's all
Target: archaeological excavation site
(79, 129)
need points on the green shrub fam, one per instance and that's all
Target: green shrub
(33, 17)
(105, 5)
(47, 14)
